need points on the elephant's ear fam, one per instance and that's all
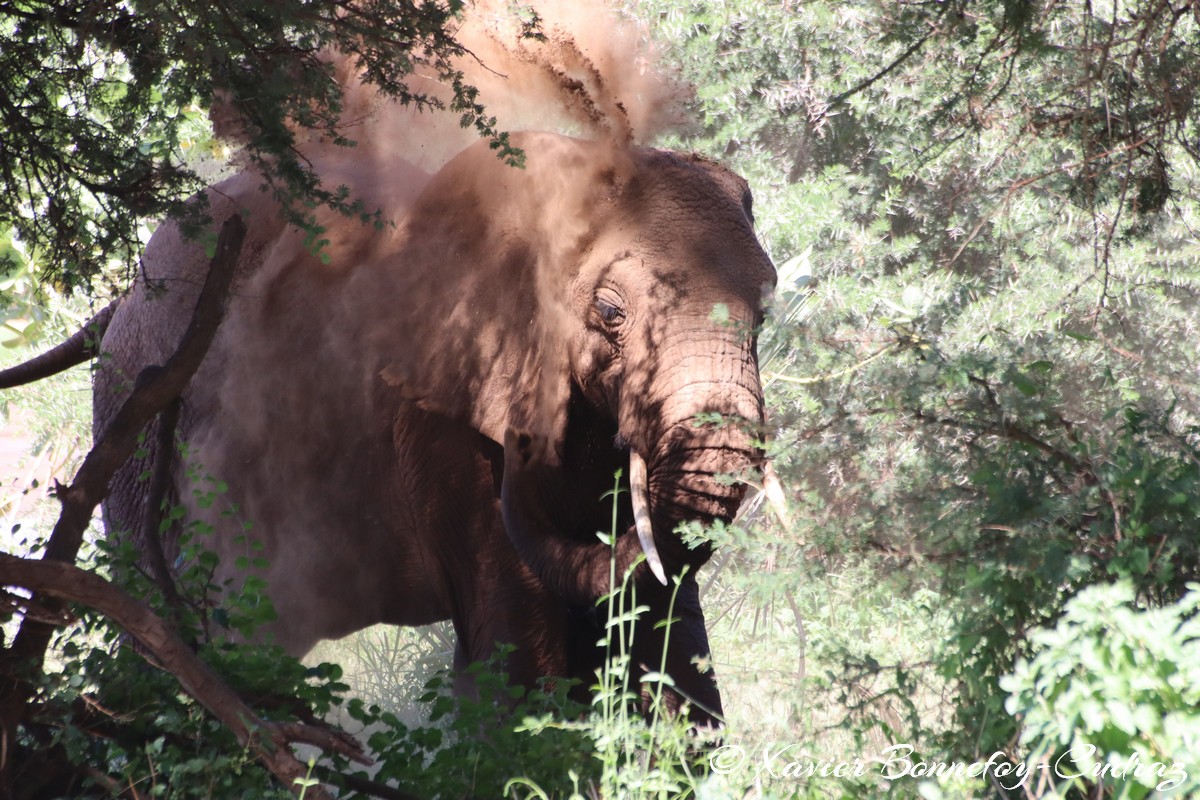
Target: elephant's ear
(497, 377)
(480, 327)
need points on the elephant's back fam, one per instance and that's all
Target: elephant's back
(284, 430)
(148, 326)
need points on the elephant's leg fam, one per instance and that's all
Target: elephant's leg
(505, 604)
(449, 474)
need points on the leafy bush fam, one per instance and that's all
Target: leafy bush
(1111, 695)
(108, 721)
(474, 746)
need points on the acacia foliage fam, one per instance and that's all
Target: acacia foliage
(984, 215)
(98, 99)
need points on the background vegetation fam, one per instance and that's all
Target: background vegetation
(981, 371)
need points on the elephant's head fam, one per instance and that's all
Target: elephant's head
(608, 319)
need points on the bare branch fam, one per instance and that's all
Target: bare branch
(160, 479)
(883, 73)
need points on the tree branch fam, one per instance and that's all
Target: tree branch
(268, 740)
(154, 389)
(1016, 434)
(160, 480)
(883, 73)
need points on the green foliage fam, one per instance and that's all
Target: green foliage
(1046, 509)
(477, 744)
(1111, 695)
(44, 430)
(56, 410)
(121, 722)
(632, 757)
(979, 369)
(22, 295)
(120, 717)
(98, 101)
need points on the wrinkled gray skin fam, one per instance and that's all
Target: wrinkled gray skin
(422, 427)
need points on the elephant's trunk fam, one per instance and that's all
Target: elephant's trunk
(680, 650)
(682, 483)
(686, 481)
(690, 425)
(706, 430)
(677, 469)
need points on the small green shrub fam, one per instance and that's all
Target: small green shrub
(473, 746)
(1111, 696)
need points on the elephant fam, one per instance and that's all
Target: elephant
(422, 421)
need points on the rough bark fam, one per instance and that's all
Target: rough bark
(160, 480)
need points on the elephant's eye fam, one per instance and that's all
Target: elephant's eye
(610, 309)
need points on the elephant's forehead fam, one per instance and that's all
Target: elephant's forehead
(677, 184)
(697, 201)
(700, 238)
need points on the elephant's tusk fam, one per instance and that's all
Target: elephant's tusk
(639, 488)
(774, 492)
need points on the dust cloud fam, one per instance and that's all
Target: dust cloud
(594, 73)
(443, 304)
(290, 393)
